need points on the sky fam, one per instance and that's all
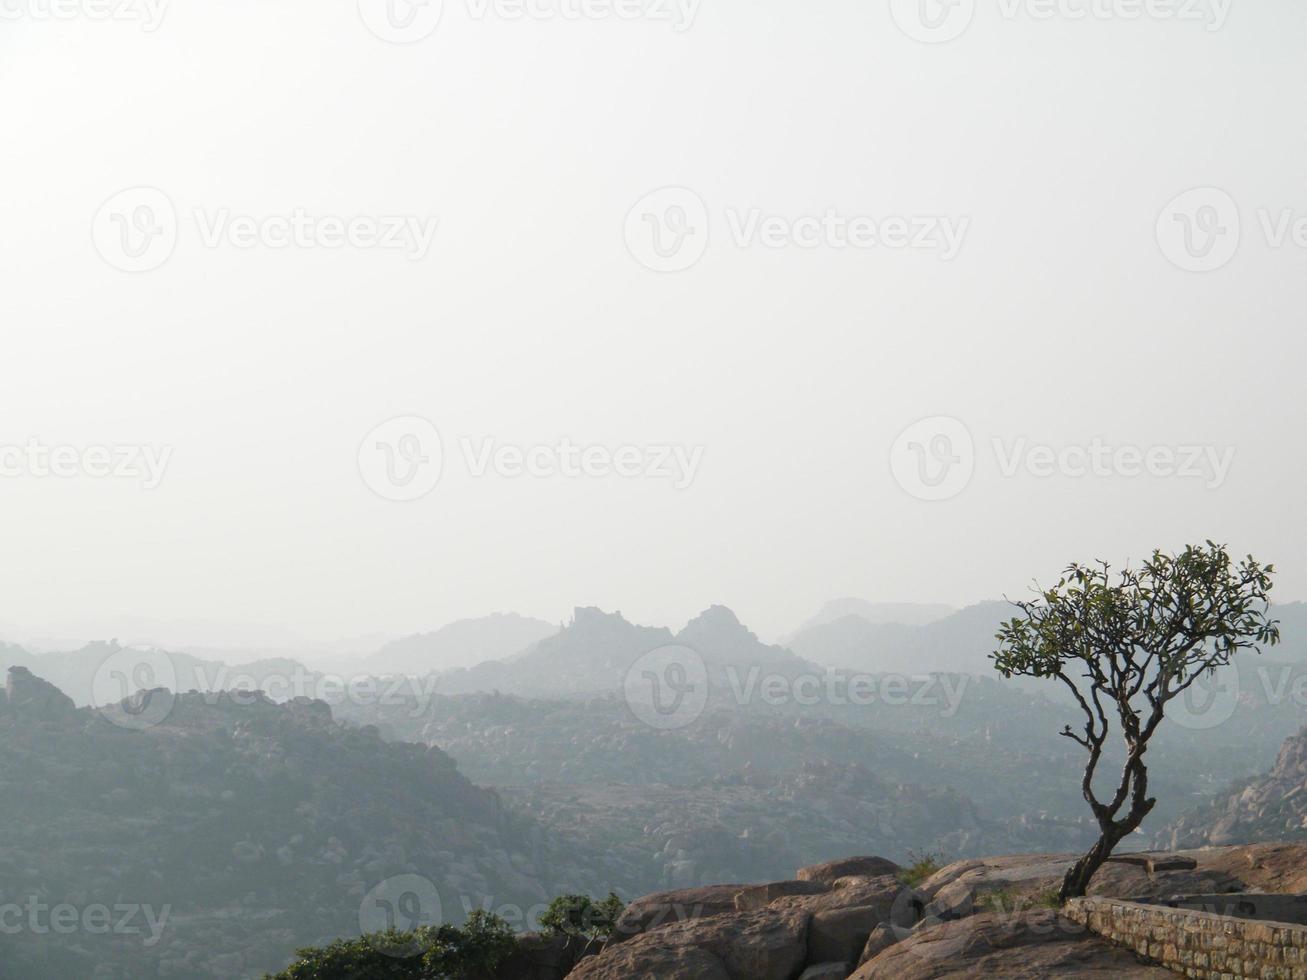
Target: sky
(325, 320)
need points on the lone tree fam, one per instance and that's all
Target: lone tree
(1126, 649)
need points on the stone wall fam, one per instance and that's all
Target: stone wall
(1198, 944)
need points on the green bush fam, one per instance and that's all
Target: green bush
(922, 866)
(431, 953)
(579, 915)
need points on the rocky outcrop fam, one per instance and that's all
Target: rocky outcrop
(667, 908)
(259, 827)
(1037, 944)
(1273, 807)
(30, 697)
(769, 944)
(816, 924)
(867, 867)
(984, 917)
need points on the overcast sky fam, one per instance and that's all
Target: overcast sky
(756, 379)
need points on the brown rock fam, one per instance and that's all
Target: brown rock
(765, 945)
(825, 971)
(882, 938)
(760, 896)
(1034, 946)
(865, 867)
(665, 908)
(839, 935)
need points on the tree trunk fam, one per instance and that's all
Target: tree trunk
(1076, 882)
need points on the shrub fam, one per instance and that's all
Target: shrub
(922, 866)
(579, 915)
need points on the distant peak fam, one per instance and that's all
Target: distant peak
(583, 615)
(717, 616)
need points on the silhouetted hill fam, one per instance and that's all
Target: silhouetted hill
(254, 828)
(595, 652)
(465, 643)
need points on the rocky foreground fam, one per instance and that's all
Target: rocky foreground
(858, 919)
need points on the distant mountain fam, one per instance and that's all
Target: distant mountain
(1269, 808)
(960, 642)
(903, 613)
(248, 829)
(465, 643)
(75, 672)
(596, 650)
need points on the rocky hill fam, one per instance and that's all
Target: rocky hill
(244, 828)
(856, 918)
(865, 918)
(596, 652)
(1271, 807)
(462, 644)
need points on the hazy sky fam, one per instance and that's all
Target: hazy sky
(1032, 160)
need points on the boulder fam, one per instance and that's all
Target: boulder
(864, 867)
(825, 971)
(645, 961)
(895, 899)
(769, 944)
(839, 935)
(1032, 946)
(760, 896)
(882, 938)
(665, 908)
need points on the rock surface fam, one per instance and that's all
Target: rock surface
(1273, 807)
(1038, 944)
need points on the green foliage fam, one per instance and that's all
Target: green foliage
(1126, 646)
(579, 915)
(429, 953)
(922, 867)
